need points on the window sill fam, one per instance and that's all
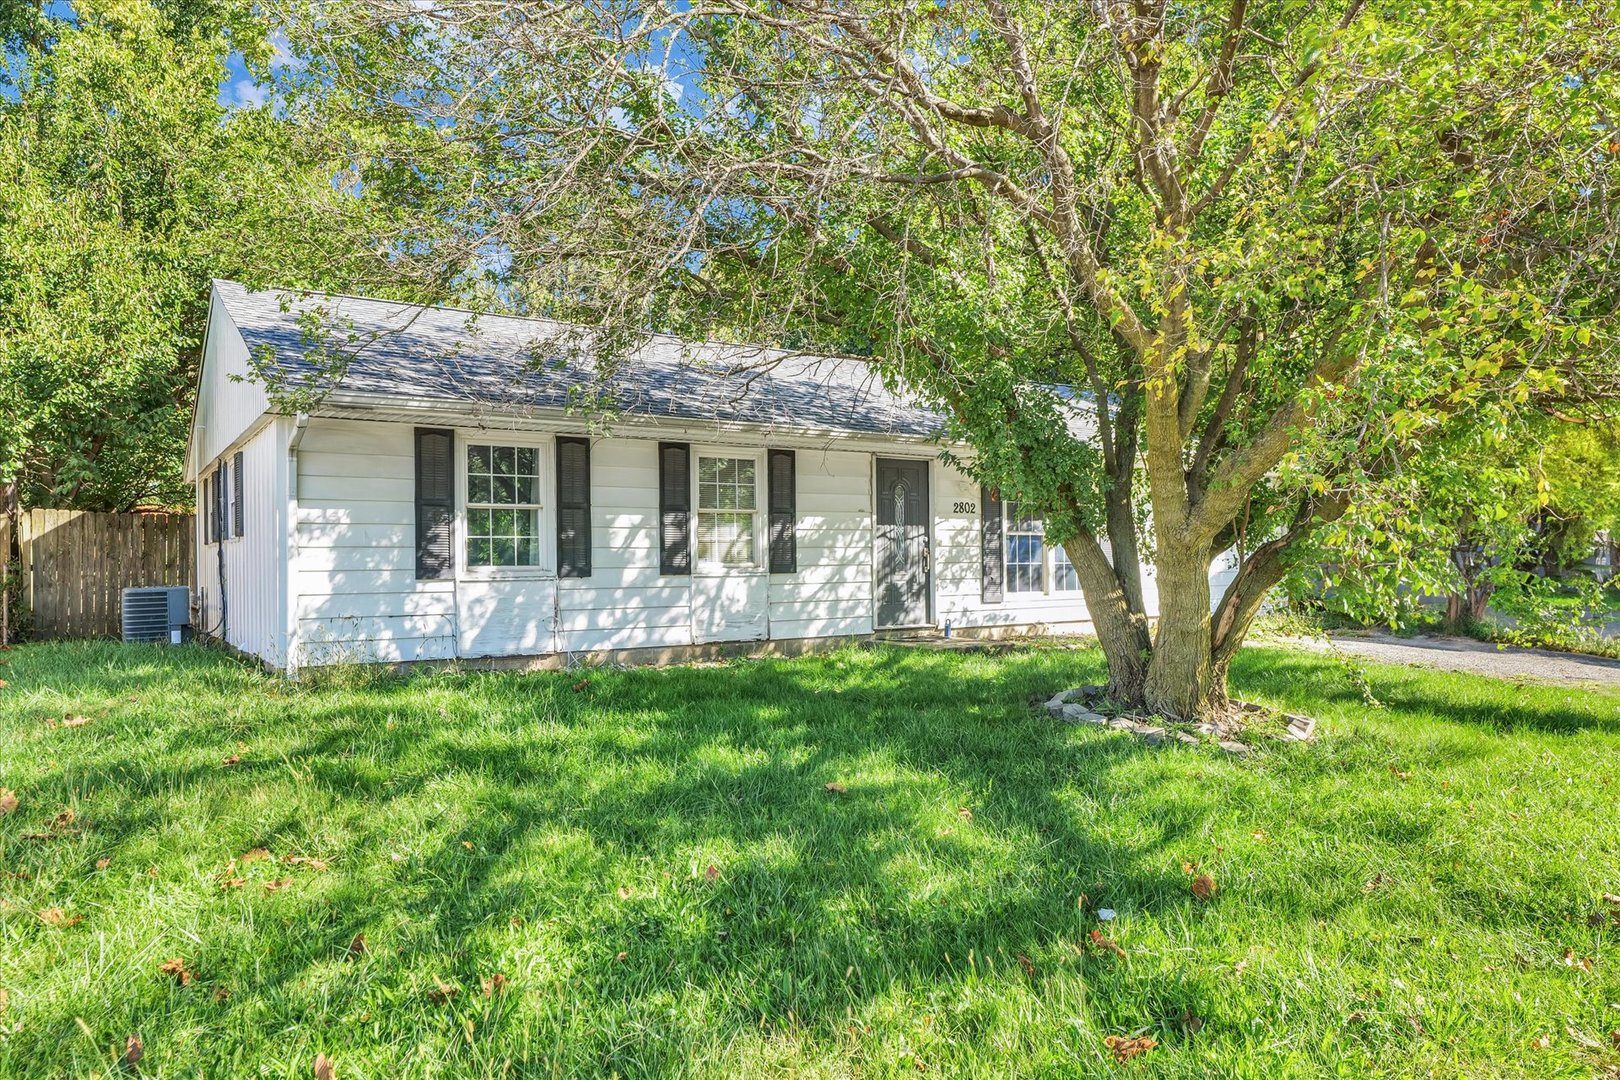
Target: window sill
(507, 573)
(717, 570)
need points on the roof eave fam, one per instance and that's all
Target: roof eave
(354, 404)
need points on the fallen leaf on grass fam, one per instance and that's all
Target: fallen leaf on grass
(3, 684)
(253, 855)
(1399, 774)
(324, 1068)
(1374, 883)
(964, 813)
(1028, 965)
(582, 686)
(8, 800)
(493, 985)
(177, 968)
(133, 1051)
(622, 957)
(309, 861)
(1582, 962)
(55, 916)
(233, 883)
(1106, 944)
(442, 991)
(1614, 1037)
(278, 884)
(1611, 898)
(102, 864)
(1126, 1048)
(75, 720)
(712, 872)
(234, 759)
(358, 946)
(1203, 887)
(1191, 1023)
(836, 788)
(467, 844)
(220, 993)
(5, 999)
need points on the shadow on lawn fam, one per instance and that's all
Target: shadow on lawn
(1290, 677)
(727, 763)
(550, 800)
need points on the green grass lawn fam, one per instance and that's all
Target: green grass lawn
(653, 864)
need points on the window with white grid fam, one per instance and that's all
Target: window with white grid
(503, 506)
(727, 502)
(1026, 550)
(1064, 576)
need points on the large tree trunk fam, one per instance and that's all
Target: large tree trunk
(1182, 680)
(1122, 628)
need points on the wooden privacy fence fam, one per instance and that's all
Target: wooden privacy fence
(76, 565)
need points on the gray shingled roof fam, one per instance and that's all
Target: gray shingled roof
(406, 351)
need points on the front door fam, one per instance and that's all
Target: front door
(903, 556)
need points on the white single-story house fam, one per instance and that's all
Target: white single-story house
(444, 501)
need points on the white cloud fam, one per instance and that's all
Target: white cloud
(246, 94)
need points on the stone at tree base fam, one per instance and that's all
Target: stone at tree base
(1079, 714)
(1076, 707)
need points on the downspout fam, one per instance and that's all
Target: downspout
(219, 551)
(290, 552)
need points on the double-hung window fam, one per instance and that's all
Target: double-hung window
(1033, 565)
(503, 506)
(1065, 578)
(727, 511)
(1026, 550)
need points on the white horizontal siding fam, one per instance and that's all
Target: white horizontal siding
(357, 597)
(830, 595)
(626, 602)
(958, 588)
(252, 617)
(230, 400)
(354, 559)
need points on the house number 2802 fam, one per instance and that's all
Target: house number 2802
(965, 508)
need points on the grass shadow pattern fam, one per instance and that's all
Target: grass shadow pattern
(654, 863)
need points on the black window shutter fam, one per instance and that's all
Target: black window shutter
(573, 507)
(205, 507)
(675, 508)
(222, 528)
(993, 552)
(435, 502)
(782, 470)
(236, 494)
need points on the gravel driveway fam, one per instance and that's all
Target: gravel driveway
(1476, 657)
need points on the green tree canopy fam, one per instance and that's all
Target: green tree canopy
(1283, 250)
(127, 185)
